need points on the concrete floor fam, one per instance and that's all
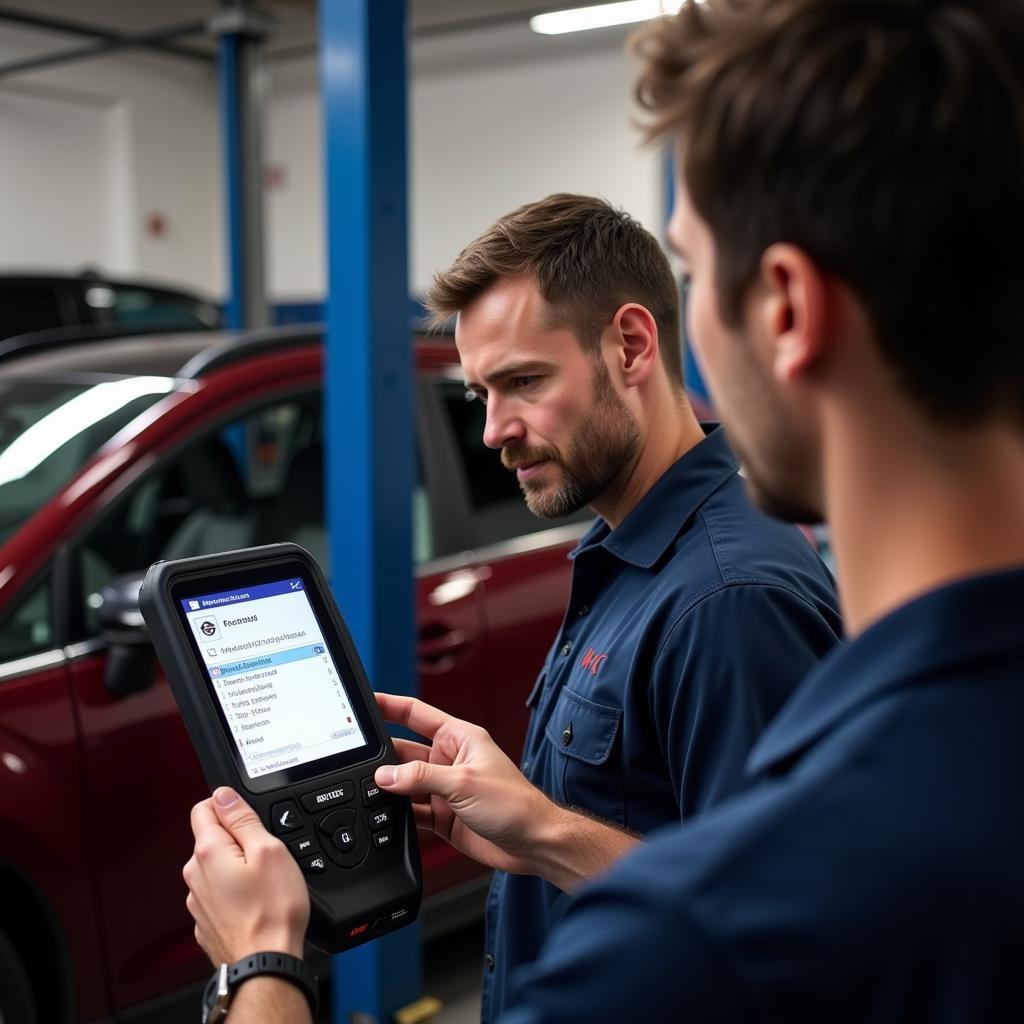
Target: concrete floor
(452, 967)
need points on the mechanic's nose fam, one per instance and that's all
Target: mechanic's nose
(502, 429)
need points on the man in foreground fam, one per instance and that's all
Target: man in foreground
(843, 162)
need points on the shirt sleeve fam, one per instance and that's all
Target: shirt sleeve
(626, 951)
(722, 673)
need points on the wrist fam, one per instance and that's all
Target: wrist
(551, 843)
(572, 847)
(265, 944)
(279, 942)
(284, 978)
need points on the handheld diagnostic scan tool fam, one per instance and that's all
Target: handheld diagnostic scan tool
(277, 705)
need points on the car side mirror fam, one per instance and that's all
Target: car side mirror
(131, 661)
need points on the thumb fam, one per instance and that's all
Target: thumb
(237, 817)
(415, 778)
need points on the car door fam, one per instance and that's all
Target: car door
(48, 911)
(216, 490)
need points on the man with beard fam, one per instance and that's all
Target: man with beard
(692, 616)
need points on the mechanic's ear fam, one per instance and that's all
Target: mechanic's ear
(637, 333)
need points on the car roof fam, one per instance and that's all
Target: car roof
(90, 277)
(188, 354)
(161, 355)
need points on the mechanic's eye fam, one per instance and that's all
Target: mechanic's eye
(523, 382)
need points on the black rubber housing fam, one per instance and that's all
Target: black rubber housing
(349, 905)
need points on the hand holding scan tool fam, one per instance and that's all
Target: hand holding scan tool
(278, 708)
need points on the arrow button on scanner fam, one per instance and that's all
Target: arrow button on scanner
(285, 818)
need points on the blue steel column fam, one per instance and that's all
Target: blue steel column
(369, 414)
(240, 33)
(691, 371)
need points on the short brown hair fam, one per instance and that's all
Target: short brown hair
(886, 139)
(588, 259)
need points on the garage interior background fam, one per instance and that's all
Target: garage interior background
(115, 163)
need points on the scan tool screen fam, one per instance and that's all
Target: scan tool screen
(283, 698)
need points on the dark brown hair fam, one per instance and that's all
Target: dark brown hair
(588, 259)
(886, 139)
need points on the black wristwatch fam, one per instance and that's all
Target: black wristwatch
(220, 988)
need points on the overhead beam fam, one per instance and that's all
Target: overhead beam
(77, 28)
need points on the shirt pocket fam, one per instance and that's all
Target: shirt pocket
(582, 735)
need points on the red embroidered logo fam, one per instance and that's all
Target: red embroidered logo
(593, 660)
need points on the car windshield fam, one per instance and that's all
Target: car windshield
(49, 429)
(150, 307)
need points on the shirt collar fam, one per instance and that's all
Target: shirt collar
(646, 533)
(960, 625)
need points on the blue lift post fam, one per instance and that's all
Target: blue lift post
(240, 32)
(369, 412)
(691, 371)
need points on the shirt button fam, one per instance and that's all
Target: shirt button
(566, 648)
(583, 610)
(489, 960)
(567, 735)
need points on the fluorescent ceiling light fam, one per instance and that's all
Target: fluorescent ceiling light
(43, 438)
(603, 15)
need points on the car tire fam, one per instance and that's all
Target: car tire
(17, 1003)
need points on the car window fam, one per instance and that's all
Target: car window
(499, 511)
(140, 307)
(27, 307)
(221, 491)
(49, 429)
(255, 480)
(28, 628)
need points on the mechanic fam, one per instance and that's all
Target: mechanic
(691, 616)
(839, 161)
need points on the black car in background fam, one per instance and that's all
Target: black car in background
(36, 309)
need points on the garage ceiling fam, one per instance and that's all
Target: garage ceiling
(448, 34)
(429, 17)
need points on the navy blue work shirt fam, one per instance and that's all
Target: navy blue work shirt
(874, 873)
(688, 626)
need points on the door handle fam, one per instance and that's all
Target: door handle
(438, 646)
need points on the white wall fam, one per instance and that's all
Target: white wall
(486, 136)
(91, 149)
(294, 207)
(57, 211)
(486, 140)
(498, 118)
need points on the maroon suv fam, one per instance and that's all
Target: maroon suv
(119, 453)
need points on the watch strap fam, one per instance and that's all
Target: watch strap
(275, 965)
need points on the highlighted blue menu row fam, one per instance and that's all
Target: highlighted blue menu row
(266, 661)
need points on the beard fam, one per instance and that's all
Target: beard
(597, 455)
